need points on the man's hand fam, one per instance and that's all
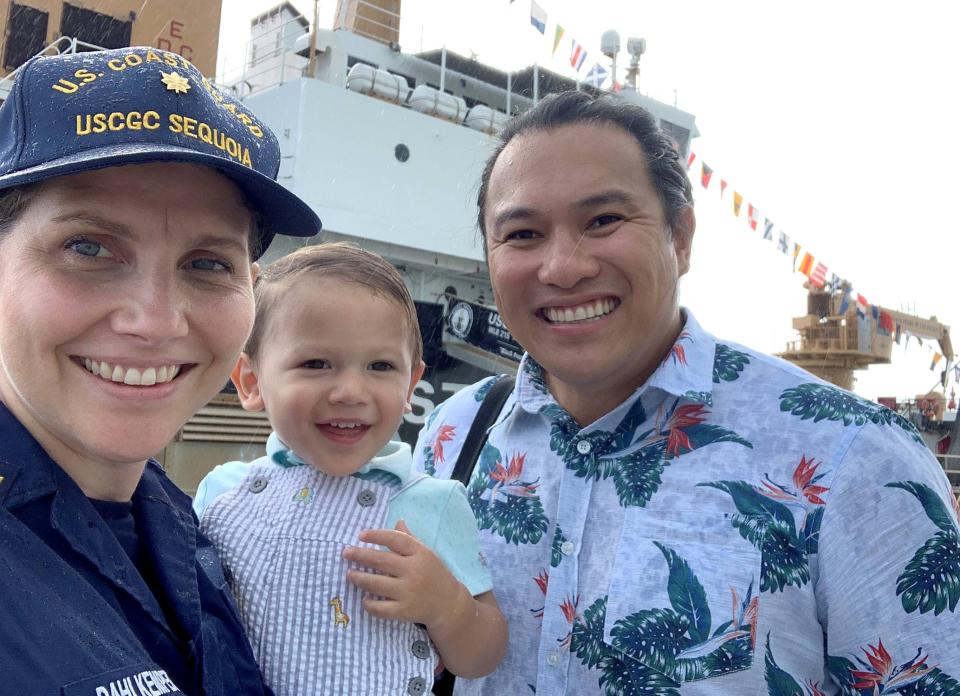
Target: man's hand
(409, 582)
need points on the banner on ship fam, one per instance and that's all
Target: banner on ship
(482, 327)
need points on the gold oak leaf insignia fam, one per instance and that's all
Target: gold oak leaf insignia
(176, 83)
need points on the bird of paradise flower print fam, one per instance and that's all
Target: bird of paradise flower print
(877, 673)
(505, 502)
(677, 353)
(632, 456)
(433, 453)
(764, 519)
(931, 579)
(668, 646)
(782, 683)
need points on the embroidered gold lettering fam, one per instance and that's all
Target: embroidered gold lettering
(65, 86)
(205, 133)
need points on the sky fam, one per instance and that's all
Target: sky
(834, 119)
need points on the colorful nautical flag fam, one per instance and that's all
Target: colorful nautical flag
(597, 75)
(875, 311)
(705, 174)
(752, 216)
(577, 55)
(796, 253)
(844, 303)
(862, 301)
(737, 202)
(723, 187)
(690, 159)
(834, 283)
(819, 275)
(936, 359)
(886, 323)
(558, 34)
(538, 17)
(806, 265)
(896, 336)
(784, 244)
(768, 229)
(617, 87)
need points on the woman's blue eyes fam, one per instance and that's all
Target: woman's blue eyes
(94, 249)
(88, 247)
(206, 264)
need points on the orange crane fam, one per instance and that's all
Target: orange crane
(832, 345)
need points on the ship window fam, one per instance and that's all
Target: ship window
(411, 81)
(94, 27)
(26, 35)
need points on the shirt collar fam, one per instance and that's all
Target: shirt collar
(26, 470)
(394, 458)
(686, 372)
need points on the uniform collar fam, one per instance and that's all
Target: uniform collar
(686, 372)
(26, 468)
(29, 473)
(395, 459)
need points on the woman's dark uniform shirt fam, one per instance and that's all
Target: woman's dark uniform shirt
(77, 617)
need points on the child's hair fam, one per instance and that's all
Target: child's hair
(340, 261)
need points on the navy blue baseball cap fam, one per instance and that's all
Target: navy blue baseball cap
(83, 111)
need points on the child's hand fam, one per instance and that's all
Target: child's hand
(413, 583)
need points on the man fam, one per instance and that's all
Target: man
(665, 513)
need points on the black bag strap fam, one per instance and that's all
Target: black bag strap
(477, 436)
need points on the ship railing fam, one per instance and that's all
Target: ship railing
(62, 46)
(951, 466)
(264, 69)
(392, 24)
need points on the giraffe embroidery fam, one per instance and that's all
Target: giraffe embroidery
(340, 618)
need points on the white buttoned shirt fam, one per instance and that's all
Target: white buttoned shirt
(281, 530)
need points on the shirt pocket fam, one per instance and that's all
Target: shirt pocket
(683, 599)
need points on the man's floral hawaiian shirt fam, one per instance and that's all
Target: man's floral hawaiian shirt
(736, 527)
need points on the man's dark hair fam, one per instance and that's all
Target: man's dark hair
(667, 173)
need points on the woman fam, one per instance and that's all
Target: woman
(134, 199)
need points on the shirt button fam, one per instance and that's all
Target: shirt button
(566, 548)
(553, 658)
(258, 484)
(366, 498)
(584, 447)
(416, 686)
(420, 649)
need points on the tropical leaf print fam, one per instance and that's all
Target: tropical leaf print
(481, 393)
(931, 579)
(633, 455)
(619, 674)
(587, 643)
(825, 402)
(673, 642)
(781, 682)
(769, 526)
(504, 501)
(687, 595)
(728, 363)
(556, 555)
(877, 672)
(811, 531)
